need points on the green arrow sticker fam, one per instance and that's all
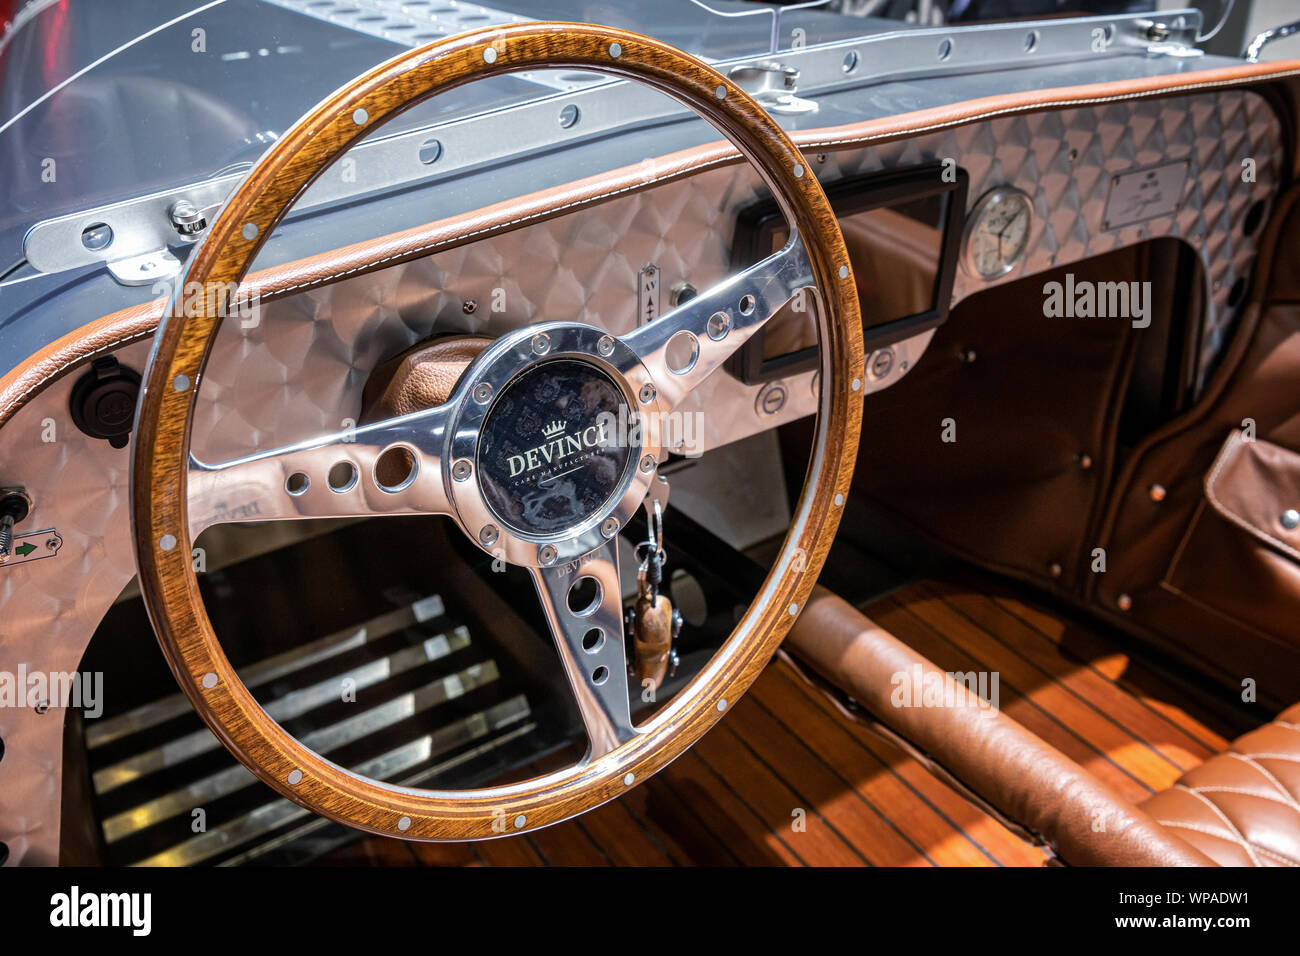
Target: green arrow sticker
(24, 549)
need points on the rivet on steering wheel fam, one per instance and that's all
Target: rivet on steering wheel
(631, 370)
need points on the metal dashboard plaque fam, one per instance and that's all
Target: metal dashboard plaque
(1143, 194)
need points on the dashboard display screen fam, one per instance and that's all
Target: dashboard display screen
(902, 230)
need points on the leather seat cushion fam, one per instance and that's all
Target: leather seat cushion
(1242, 808)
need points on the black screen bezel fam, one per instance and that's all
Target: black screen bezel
(758, 223)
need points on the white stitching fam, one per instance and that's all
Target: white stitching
(1249, 760)
(707, 164)
(1197, 828)
(1224, 817)
(71, 362)
(1242, 791)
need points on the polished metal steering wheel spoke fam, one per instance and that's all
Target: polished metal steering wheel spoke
(589, 637)
(682, 347)
(389, 467)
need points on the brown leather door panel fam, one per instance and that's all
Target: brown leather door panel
(1237, 558)
(1205, 567)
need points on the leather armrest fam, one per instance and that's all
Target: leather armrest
(1015, 771)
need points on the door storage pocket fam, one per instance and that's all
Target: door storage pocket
(1241, 553)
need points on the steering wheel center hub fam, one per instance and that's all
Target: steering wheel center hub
(551, 453)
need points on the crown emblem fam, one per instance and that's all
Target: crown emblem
(554, 428)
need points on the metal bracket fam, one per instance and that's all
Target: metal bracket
(144, 225)
(773, 85)
(1263, 39)
(136, 229)
(647, 293)
(157, 266)
(32, 546)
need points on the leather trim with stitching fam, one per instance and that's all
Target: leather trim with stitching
(137, 322)
(1233, 447)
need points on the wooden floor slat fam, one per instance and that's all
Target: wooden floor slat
(1030, 709)
(1149, 686)
(788, 779)
(823, 791)
(1172, 742)
(933, 814)
(1140, 762)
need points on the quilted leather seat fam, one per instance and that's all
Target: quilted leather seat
(1238, 808)
(1241, 808)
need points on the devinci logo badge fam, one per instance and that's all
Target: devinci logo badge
(559, 447)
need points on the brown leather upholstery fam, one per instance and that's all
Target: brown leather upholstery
(1241, 808)
(1210, 574)
(58, 358)
(1012, 769)
(421, 377)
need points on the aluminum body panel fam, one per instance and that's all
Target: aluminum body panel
(299, 371)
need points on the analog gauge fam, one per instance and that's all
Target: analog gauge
(998, 232)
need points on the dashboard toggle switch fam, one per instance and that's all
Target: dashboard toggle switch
(14, 506)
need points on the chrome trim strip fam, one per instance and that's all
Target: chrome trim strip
(385, 162)
(319, 823)
(1263, 39)
(291, 705)
(354, 728)
(272, 668)
(280, 811)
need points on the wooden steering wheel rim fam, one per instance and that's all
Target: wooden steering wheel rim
(165, 417)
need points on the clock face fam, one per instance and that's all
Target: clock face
(998, 232)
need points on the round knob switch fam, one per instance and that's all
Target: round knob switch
(103, 401)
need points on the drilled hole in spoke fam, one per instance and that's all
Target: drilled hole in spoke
(395, 469)
(297, 483)
(600, 675)
(342, 477)
(746, 305)
(682, 351)
(584, 596)
(593, 640)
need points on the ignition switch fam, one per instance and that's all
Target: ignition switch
(188, 220)
(14, 506)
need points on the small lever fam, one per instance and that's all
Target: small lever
(14, 506)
